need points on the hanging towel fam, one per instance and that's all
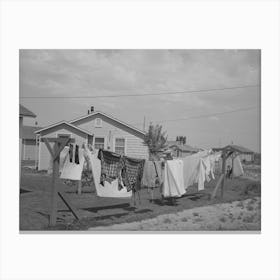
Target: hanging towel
(109, 189)
(173, 185)
(72, 170)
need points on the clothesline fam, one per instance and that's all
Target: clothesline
(114, 175)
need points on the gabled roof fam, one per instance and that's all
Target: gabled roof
(110, 117)
(28, 132)
(24, 112)
(66, 123)
(235, 148)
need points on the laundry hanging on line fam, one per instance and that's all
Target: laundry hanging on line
(62, 157)
(132, 173)
(125, 169)
(73, 167)
(191, 167)
(108, 189)
(173, 185)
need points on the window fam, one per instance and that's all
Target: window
(120, 146)
(99, 143)
(98, 122)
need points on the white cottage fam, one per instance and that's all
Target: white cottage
(98, 129)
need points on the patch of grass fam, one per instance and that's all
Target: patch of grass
(249, 219)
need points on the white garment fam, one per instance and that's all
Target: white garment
(207, 167)
(237, 167)
(191, 167)
(72, 170)
(62, 157)
(173, 179)
(109, 189)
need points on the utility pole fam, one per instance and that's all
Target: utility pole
(144, 123)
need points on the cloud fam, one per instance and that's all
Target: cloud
(113, 72)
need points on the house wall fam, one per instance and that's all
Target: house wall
(247, 158)
(44, 155)
(28, 149)
(111, 129)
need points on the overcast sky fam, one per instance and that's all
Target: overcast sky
(50, 73)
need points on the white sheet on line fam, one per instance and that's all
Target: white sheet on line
(173, 178)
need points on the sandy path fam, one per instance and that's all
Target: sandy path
(237, 215)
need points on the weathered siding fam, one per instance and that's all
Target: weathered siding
(110, 130)
(44, 155)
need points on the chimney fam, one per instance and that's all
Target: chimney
(92, 109)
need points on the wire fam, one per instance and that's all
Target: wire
(206, 115)
(144, 94)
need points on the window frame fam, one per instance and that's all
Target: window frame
(94, 138)
(125, 143)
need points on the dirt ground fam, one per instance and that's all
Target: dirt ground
(99, 212)
(242, 215)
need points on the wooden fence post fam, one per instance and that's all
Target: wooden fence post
(79, 187)
(54, 191)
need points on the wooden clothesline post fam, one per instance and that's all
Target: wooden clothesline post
(59, 144)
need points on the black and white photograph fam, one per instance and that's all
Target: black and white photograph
(140, 140)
